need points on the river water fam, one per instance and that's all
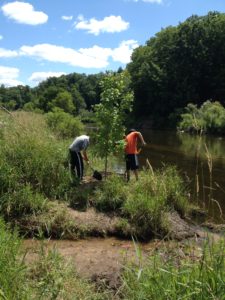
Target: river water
(200, 160)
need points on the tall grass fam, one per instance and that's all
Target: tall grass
(165, 277)
(145, 202)
(12, 269)
(31, 159)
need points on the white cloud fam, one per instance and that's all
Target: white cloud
(61, 54)
(108, 24)
(24, 13)
(7, 53)
(67, 18)
(1, 37)
(37, 77)
(94, 57)
(9, 75)
(123, 52)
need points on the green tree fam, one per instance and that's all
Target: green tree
(78, 100)
(64, 101)
(179, 64)
(115, 102)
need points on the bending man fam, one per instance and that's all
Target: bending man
(131, 152)
(77, 153)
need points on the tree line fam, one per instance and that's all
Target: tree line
(181, 64)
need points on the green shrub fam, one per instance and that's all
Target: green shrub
(210, 118)
(63, 124)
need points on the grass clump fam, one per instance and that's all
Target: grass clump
(164, 279)
(144, 203)
(111, 195)
(21, 202)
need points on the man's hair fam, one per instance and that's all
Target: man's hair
(132, 130)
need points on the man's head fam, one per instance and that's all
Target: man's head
(131, 130)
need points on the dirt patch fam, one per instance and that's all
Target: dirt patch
(100, 260)
(179, 228)
(99, 223)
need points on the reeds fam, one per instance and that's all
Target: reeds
(198, 275)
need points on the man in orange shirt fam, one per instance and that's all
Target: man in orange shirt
(131, 152)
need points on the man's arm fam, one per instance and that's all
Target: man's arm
(141, 138)
(85, 157)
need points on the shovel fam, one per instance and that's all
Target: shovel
(97, 175)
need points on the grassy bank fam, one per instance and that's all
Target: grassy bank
(184, 274)
(34, 170)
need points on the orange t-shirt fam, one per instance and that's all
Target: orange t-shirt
(131, 143)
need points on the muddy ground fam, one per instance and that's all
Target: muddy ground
(102, 259)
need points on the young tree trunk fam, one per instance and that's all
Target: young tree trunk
(106, 165)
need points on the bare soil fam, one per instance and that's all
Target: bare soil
(102, 260)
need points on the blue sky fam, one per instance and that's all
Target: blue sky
(43, 38)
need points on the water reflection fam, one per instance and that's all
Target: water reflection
(201, 161)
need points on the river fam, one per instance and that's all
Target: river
(200, 160)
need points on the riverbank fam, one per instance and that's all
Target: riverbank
(102, 260)
(79, 252)
(62, 220)
(40, 201)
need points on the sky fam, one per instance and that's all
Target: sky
(45, 38)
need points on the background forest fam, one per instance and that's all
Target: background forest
(180, 65)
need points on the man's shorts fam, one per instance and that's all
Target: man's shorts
(131, 162)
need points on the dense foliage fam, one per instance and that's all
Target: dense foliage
(181, 64)
(72, 93)
(63, 124)
(209, 118)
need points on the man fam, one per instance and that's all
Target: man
(131, 152)
(77, 153)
